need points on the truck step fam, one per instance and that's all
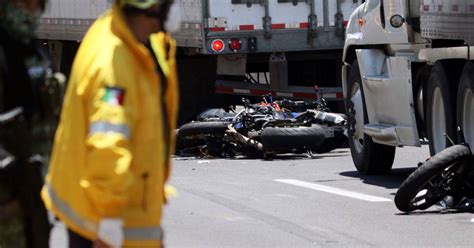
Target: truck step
(376, 79)
(390, 134)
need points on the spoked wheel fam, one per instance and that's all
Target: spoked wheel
(465, 104)
(432, 181)
(369, 157)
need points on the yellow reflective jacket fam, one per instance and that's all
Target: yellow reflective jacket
(111, 150)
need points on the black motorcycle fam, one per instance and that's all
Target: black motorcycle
(266, 127)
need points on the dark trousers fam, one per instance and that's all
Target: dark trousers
(20, 187)
(77, 241)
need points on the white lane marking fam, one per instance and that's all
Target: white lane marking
(332, 190)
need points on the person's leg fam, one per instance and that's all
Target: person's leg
(12, 228)
(37, 226)
(77, 241)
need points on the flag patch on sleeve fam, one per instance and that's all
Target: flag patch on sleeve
(114, 96)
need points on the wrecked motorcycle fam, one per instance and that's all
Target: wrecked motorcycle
(264, 129)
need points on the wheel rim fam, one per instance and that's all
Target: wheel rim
(434, 189)
(438, 121)
(356, 98)
(467, 116)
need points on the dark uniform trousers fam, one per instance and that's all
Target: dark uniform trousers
(23, 217)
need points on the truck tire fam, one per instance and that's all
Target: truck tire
(294, 138)
(198, 133)
(440, 108)
(465, 103)
(417, 191)
(369, 158)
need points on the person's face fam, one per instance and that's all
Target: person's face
(32, 6)
(153, 22)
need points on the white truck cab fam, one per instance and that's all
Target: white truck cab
(403, 77)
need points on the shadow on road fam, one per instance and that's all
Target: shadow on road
(305, 157)
(435, 212)
(277, 157)
(392, 181)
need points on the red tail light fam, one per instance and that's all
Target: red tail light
(218, 45)
(235, 44)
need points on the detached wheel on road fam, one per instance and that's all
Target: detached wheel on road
(292, 138)
(198, 133)
(369, 158)
(426, 185)
(440, 107)
(465, 103)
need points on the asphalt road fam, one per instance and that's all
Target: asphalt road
(295, 201)
(302, 202)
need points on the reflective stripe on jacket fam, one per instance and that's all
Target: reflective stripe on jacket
(109, 154)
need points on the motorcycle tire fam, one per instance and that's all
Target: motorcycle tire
(426, 177)
(200, 128)
(198, 133)
(292, 138)
(329, 144)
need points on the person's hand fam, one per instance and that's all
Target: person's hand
(110, 234)
(100, 244)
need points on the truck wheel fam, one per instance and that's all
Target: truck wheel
(369, 157)
(425, 186)
(465, 103)
(440, 109)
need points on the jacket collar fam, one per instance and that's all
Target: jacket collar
(122, 31)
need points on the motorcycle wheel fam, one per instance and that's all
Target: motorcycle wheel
(330, 144)
(197, 133)
(426, 185)
(292, 138)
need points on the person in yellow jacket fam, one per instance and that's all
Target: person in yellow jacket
(111, 153)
